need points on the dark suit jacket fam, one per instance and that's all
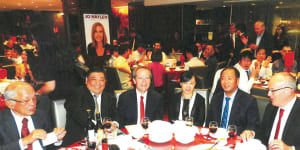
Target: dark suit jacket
(198, 110)
(228, 48)
(9, 136)
(291, 131)
(244, 111)
(266, 42)
(77, 117)
(127, 107)
(212, 64)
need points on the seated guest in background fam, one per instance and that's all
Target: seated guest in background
(139, 55)
(114, 56)
(193, 60)
(187, 103)
(211, 61)
(135, 104)
(262, 64)
(157, 47)
(233, 106)
(247, 76)
(279, 129)
(91, 96)
(157, 70)
(22, 126)
(123, 67)
(278, 65)
(200, 50)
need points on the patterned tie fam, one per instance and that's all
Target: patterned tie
(142, 109)
(25, 132)
(278, 124)
(185, 108)
(225, 113)
(97, 106)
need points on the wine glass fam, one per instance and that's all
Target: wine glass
(107, 122)
(213, 127)
(189, 121)
(231, 129)
(145, 122)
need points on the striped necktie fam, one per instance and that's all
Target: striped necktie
(225, 113)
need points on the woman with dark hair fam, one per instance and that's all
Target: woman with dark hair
(157, 70)
(280, 38)
(187, 103)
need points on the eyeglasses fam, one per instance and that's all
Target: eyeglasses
(279, 89)
(23, 102)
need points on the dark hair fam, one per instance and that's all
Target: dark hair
(186, 76)
(236, 72)
(156, 56)
(95, 69)
(246, 54)
(123, 49)
(193, 50)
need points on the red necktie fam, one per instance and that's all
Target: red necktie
(278, 124)
(142, 110)
(25, 132)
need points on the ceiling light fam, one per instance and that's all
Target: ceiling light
(280, 3)
(276, 6)
(253, 4)
(19, 4)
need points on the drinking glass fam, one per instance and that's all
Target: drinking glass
(145, 123)
(231, 129)
(107, 122)
(189, 121)
(213, 127)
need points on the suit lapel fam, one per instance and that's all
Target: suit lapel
(177, 105)
(235, 107)
(134, 104)
(219, 108)
(195, 105)
(11, 125)
(148, 104)
(290, 119)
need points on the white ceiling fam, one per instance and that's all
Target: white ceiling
(44, 5)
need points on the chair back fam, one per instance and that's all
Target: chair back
(59, 113)
(201, 73)
(262, 103)
(118, 93)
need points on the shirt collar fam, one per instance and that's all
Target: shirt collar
(233, 95)
(290, 104)
(138, 93)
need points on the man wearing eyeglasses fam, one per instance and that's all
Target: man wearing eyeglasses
(280, 127)
(22, 126)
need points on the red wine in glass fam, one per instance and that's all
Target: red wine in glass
(213, 129)
(231, 134)
(145, 125)
(107, 125)
(91, 145)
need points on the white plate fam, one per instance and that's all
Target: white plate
(160, 131)
(207, 146)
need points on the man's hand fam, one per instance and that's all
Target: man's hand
(244, 40)
(33, 136)
(267, 62)
(253, 46)
(60, 133)
(279, 145)
(247, 135)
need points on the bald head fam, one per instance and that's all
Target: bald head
(259, 27)
(20, 98)
(282, 88)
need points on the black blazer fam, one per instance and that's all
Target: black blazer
(76, 106)
(244, 111)
(228, 48)
(291, 132)
(266, 42)
(127, 107)
(9, 136)
(198, 110)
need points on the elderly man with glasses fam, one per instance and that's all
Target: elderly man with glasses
(22, 126)
(280, 127)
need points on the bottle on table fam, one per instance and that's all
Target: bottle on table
(90, 128)
(99, 128)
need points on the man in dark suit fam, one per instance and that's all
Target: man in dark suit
(22, 126)
(141, 101)
(280, 126)
(261, 39)
(86, 97)
(233, 106)
(232, 45)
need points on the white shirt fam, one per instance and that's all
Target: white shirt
(193, 62)
(137, 56)
(265, 72)
(230, 105)
(245, 84)
(287, 110)
(258, 39)
(232, 36)
(138, 98)
(18, 119)
(191, 104)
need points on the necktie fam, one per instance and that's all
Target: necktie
(247, 72)
(96, 102)
(142, 109)
(232, 40)
(25, 132)
(185, 108)
(278, 124)
(225, 113)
